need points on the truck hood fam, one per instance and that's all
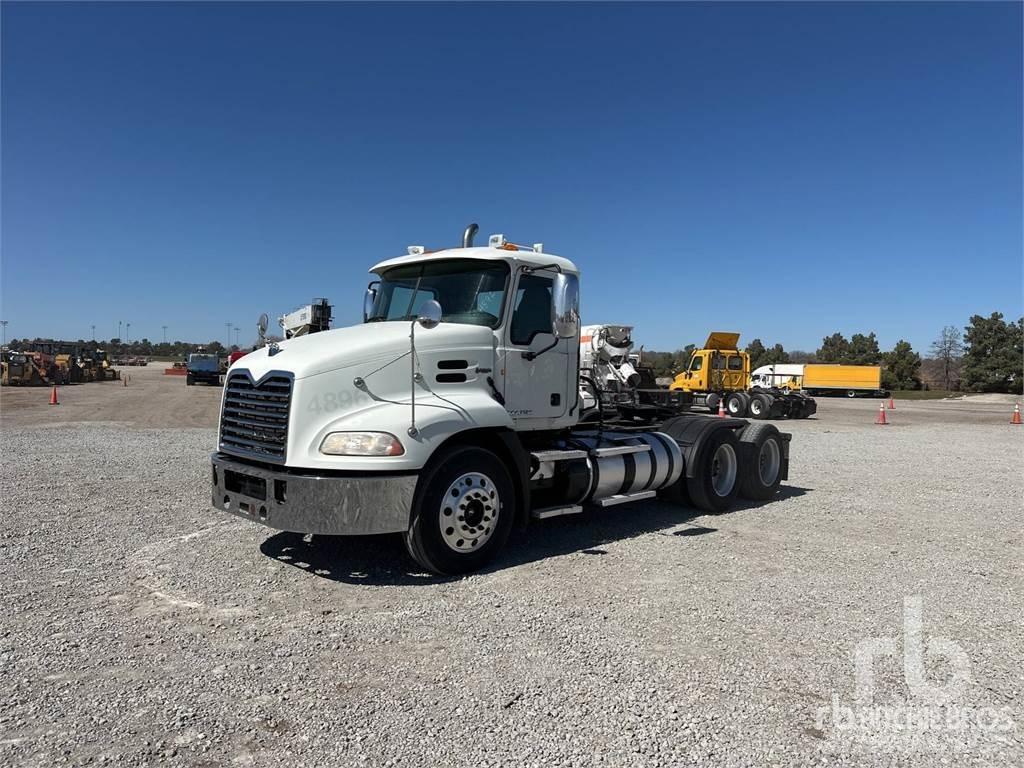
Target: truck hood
(340, 348)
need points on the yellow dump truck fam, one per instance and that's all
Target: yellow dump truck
(719, 372)
(822, 379)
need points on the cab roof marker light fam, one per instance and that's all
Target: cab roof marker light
(496, 241)
(538, 247)
(416, 250)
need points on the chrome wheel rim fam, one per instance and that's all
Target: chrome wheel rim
(769, 458)
(755, 407)
(469, 512)
(723, 470)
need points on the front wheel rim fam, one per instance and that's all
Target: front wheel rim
(468, 513)
(723, 470)
(769, 458)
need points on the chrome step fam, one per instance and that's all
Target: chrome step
(618, 450)
(559, 455)
(546, 512)
(622, 498)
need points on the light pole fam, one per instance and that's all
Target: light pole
(128, 332)
(165, 334)
(229, 333)
(3, 324)
(119, 330)
(93, 332)
(236, 335)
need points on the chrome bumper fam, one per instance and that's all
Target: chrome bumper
(310, 503)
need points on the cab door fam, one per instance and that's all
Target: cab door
(536, 364)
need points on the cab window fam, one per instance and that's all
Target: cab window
(735, 363)
(532, 313)
(696, 363)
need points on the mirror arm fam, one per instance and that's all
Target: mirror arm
(553, 267)
(534, 355)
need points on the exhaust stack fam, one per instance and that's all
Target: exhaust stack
(469, 234)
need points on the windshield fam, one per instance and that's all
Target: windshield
(470, 291)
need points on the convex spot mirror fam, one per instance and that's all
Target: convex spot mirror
(430, 314)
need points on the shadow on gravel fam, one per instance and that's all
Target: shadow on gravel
(382, 560)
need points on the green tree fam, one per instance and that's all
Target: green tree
(775, 355)
(834, 349)
(863, 350)
(756, 351)
(994, 354)
(902, 367)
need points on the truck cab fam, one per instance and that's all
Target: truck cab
(717, 367)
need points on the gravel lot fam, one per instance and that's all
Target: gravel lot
(141, 627)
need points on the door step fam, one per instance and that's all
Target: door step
(622, 498)
(546, 512)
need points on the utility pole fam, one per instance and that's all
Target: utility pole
(93, 332)
(236, 335)
(119, 330)
(3, 323)
(229, 333)
(165, 334)
(128, 332)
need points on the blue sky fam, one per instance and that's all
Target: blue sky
(784, 170)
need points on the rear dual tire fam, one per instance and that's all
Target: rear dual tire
(763, 473)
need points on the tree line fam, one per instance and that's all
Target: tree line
(985, 356)
(116, 348)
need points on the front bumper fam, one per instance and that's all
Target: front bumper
(289, 500)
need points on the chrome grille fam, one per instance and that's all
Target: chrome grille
(254, 421)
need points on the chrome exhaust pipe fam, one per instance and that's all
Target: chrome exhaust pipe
(469, 234)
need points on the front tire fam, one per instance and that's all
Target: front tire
(189, 380)
(462, 513)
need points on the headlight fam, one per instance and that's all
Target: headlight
(361, 444)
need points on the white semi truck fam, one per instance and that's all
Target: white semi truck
(453, 415)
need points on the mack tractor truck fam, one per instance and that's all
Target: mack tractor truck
(453, 414)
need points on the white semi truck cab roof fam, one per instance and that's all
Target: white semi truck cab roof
(497, 250)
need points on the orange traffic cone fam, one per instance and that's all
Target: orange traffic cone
(892, 405)
(881, 414)
(1016, 414)
(721, 409)
(53, 396)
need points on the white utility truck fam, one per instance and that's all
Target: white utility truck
(453, 414)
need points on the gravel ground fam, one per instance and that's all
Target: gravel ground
(141, 627)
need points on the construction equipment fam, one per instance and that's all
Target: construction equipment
(453, 414)
(822, 379)
(720, 372)
(311, 318)
(20, 370)
(68, 369)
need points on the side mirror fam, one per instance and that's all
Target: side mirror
(430, 314)
(369, 300)
(565, 321)
(262, 323)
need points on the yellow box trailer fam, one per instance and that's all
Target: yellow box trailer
(851, 380)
